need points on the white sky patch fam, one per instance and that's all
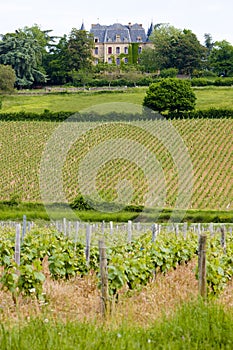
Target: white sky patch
(201, 16)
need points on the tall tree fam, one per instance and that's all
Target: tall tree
(23, 53)
(71, 54)
(56, 62)
(165, 38)
(80, 45)
(209, 43)
(148, 60)
(175, 48)
(221, 58)
(189, 53)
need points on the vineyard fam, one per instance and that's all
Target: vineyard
(123, 176)
(51, 286)
(134, 257)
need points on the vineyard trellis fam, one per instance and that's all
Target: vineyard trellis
(136, 253)
(208, 142)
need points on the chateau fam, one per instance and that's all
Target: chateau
(117, 42)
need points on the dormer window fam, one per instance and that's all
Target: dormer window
(118, 38)
(96, 40)
(139, 39)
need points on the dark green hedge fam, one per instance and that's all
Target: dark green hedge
(49, 116)
(209, 82)
(147, 80)
(83, 117)
(211, 113)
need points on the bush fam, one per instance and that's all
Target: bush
(223, 82)
(80, 203)
(7, 78)
(168, 73)
(204, 74)
(170, 95)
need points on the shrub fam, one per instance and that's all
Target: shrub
(7, 78)
(171, 95)
(168, 73)
(201, 82)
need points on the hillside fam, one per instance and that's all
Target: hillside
(208, 142)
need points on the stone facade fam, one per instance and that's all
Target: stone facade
(118, 42)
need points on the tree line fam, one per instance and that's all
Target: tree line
(32, 57)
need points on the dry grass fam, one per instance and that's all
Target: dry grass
(161, 296)
(80, 299)
(227, 296)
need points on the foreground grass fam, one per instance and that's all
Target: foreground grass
(217, 97)
(194, 325)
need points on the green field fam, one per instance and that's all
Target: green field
(218, 97)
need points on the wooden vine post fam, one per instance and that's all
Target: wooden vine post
(202, 265)
(17, 244)
(103, 278)
(88, 243)
(223, 239)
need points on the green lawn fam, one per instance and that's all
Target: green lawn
(218, 97)
(68, 102)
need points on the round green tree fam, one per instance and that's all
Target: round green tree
(170, 95)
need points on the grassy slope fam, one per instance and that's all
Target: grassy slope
(209, 144)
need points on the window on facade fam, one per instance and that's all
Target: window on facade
(139, 49)
(118, 50)
(109, 60)
(126, 50)
(118, 61)
(126, 60)
(96, 61)
(96, 50)
(110, 50)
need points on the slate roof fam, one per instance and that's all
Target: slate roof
(119, 33)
